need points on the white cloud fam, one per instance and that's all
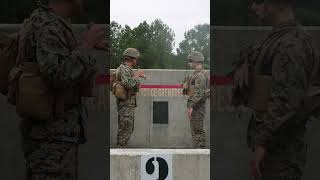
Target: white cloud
(180, 15)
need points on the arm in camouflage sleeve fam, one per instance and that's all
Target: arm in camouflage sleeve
(61, 66)
(186, 78)
(128, 81)
(200, 89)
(288, 87)
(185, 84)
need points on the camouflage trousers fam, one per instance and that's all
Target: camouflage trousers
(286, 159)
(126, 125)
(50, 160)
(197, 131)
(285, 163)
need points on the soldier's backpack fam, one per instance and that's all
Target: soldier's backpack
(113, 78)
(8, 55)
(118, 90)
(207, 93)
(25, 88)
(21, 82)
(189, 86)
(185, 85)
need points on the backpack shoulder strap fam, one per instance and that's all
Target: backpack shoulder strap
(20, 54)
(207, 80)
(193, 77)
(117, 74)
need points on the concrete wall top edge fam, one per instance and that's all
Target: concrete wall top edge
(158, 151)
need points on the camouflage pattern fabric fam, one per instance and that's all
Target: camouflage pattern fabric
(200, 80)
(127, 106)
(51, 160)
(50, 41)
(126, 125)
(197, 131)
(243, 68)
(131, 84)
(290, 57)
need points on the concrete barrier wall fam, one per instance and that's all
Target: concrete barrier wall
(231, 156)
(186, 164)
(175, 134)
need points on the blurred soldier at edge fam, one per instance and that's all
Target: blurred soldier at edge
(284, 71)
(196, 86)
(51, 146)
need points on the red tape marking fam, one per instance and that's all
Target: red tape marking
(144, 86)
(221, 80)
(102, 79)
(214, 80)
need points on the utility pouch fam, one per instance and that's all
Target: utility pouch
(33, 98)
(119, 91)
(191, 90)
(261, 92)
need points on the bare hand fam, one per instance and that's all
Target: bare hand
(94, 35)
(257, 162)
(190, 110)
(140, 74)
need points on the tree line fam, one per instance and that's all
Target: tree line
(155, 41)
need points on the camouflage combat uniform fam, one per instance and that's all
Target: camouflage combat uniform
(50, 147)
(198, 102)
(290, 58)
(127, 106)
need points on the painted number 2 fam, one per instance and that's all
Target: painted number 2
(163, 167)
(156, 167)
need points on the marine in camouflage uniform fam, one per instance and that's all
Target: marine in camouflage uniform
(277, 134)
(126, 107)
(196, 87)
(51, 146)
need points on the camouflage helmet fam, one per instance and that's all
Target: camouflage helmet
(131, 52)
(196, 56)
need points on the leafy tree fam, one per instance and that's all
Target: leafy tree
(121, 38)
(155, 42)
(197, 39)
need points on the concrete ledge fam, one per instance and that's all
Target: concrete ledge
(187, 164)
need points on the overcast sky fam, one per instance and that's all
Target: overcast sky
(179, 15)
